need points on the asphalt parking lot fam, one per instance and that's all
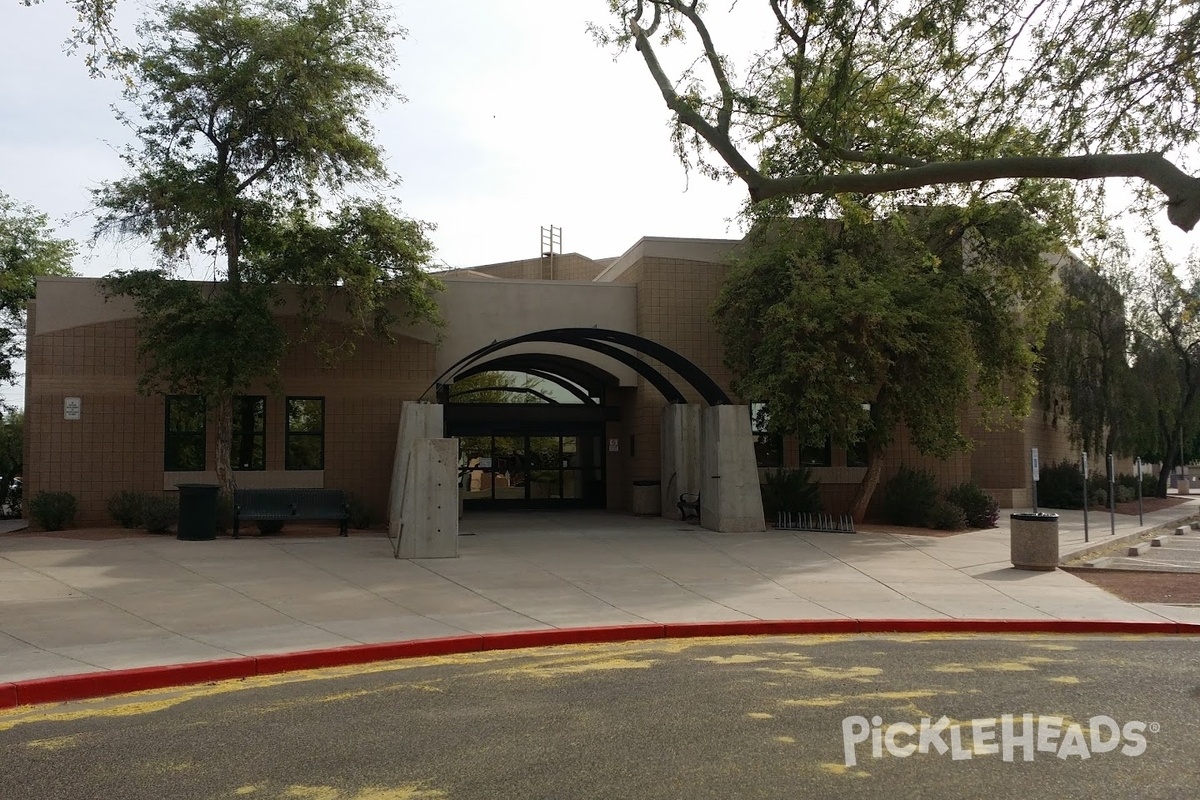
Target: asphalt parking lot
(817, 716)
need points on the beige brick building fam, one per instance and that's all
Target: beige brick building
(89, 432)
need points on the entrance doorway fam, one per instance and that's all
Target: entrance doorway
(522, 470)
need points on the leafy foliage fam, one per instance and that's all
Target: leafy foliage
(819, 319)
(1060, 485)
(28, 250)
(52, 511)
(909, 497)
(12, 444)
(980, 509)
(855, 96)
(159, 513)
(126, 507)
(254, 124)
(946, 516)
(1085, 370)
(790, 491)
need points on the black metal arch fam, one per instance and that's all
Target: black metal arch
(601, 340)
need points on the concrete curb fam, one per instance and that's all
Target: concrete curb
(63, 688)
(1098, 546)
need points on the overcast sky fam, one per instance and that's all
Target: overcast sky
(515, 120)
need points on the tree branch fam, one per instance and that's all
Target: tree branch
(1182, 190)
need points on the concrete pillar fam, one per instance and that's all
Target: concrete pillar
(430, 516)
(730, 500)
(423, 502)
(417, 421)
(680, 455)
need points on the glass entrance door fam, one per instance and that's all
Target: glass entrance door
(525, 471)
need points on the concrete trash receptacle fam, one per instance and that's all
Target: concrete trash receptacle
(1034, 540)
(647, 498)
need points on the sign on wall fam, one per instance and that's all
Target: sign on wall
(72, 408)
(612, 445)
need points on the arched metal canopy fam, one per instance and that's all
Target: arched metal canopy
(601, 340)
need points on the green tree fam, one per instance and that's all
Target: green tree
(1085, 372)
(253, 128)
(865, 97)
(28, 250)
(852, 328)
(12, 446)
(1165, 364)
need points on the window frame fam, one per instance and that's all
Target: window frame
(258, 433)
(289, 435)
(826, 449)
(200, 435)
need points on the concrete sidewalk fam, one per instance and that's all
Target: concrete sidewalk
(70, 606)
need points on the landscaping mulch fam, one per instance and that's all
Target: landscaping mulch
(1139, 586)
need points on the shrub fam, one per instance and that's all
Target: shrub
(1149, 483)
(946, 516)
(1060, 486)
(12, 504)
(125, 507)
(980, 508)
(909, 497)
(52, 511)
(1099, 498)
(1125, 494)
(269, 526)
(361, 514)
(790, 491)
(159, 513)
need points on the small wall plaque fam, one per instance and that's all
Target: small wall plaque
(72, 408)
(612, 445)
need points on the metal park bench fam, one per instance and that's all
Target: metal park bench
(689, 506)
(289, 505)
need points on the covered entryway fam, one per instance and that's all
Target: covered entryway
(531, 431)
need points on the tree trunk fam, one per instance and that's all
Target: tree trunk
(1164, 478)
(866, 487)
(224, 425)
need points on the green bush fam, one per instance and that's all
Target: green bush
(1126, 494)
(125, 507)
(52, 511)
(1098, 498)
(361, 513)
(909, 497)
(270, 526)
(790, 491)
(946, 516)
(1149, 483)
(979, 508)
(1060, 486)
(159, 513)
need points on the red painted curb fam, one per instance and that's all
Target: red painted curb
(759, 627)
(123, 681)
(366, 653)
(551, 636)
(99, 684)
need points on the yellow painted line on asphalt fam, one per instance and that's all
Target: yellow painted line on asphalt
(842, 769)
(55, 743)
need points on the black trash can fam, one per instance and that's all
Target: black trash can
(197, 511)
